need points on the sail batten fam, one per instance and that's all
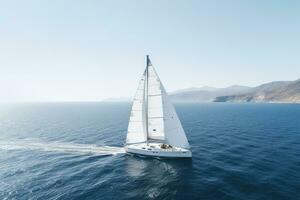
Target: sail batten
(153, 116)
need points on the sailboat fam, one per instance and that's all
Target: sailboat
(154, 128)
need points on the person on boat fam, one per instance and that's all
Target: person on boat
(165, 146)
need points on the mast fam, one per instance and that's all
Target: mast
(146, 96)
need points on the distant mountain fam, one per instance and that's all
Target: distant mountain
(206, 94)
(204, 88)
(274, 92)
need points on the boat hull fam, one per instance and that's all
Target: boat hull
(154, 150)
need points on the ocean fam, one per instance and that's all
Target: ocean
(74, 151)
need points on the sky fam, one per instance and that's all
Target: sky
(73, 50)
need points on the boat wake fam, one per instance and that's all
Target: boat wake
(28, 144)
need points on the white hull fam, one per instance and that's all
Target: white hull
(154, 149)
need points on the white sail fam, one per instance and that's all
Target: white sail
(174, 133)
(153, 116)
(163, 122)
(155, 107)
(136, 128)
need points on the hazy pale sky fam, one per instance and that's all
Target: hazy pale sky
(74, 50)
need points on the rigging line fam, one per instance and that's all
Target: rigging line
(147, 80)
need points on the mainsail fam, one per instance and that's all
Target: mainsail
(153, 117)
(136, 132)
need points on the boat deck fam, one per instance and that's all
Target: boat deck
(155, 149)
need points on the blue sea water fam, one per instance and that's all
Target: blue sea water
(74, 151)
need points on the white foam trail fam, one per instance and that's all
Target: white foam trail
(60, 147)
